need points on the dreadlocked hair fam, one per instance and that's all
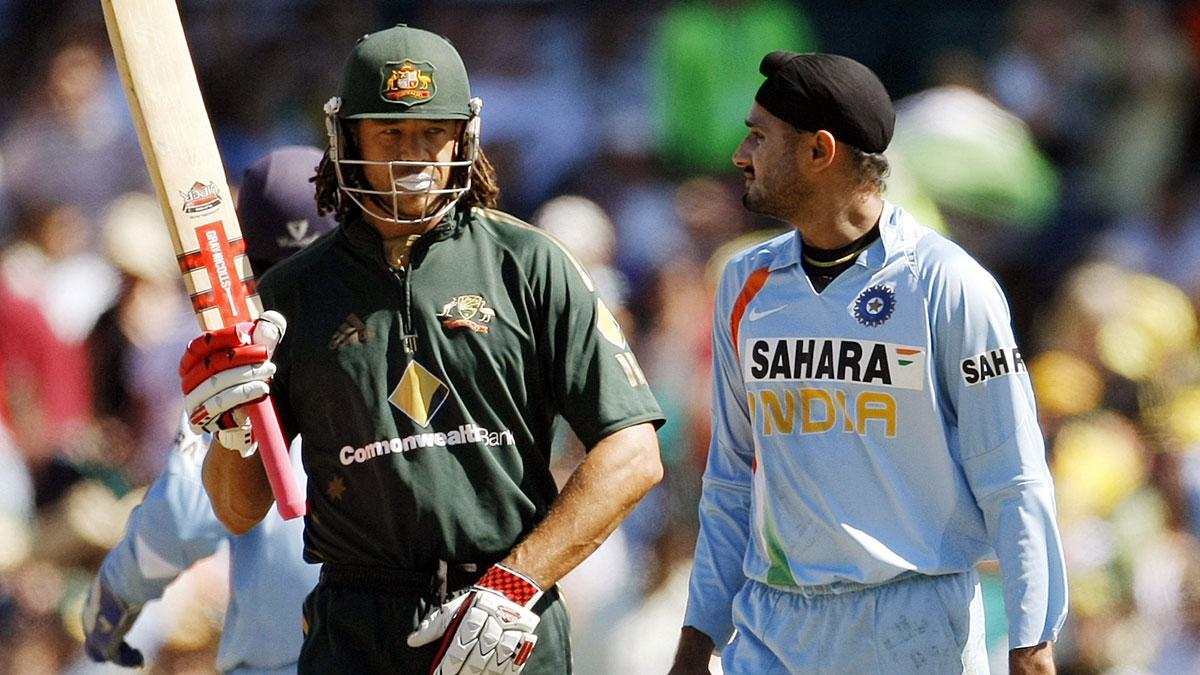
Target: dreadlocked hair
(484, 192)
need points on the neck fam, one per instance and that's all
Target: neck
(836, 223)
(389, 230)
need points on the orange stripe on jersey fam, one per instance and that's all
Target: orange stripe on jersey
(754, 284)
(907, 352)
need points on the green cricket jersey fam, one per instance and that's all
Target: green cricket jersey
(426, 396)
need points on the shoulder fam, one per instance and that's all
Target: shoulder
(533, 247)
(757, 259)
(508, 231)
(950, 278)
(937, 261)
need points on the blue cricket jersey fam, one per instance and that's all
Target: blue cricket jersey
(882, 426)
(174, 526)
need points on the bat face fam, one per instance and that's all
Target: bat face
(214, 264)
(181, 155)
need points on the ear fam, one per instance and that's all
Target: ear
(824, 149)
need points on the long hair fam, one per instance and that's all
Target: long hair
(484, 192)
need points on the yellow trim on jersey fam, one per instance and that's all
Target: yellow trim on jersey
(511, 220)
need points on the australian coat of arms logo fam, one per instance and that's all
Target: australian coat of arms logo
(467, 311)
(407, 82)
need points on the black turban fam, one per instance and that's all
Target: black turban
(825, 91)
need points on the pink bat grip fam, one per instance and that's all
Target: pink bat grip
(289, 498)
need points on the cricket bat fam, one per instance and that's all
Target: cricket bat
(181, 153)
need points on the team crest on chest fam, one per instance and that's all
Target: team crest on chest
(467, 311)
(407, 82)
(874, 305)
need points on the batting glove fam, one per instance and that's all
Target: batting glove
(487, 630)
(226, 369)
(106, 620)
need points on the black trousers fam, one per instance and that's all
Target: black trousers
(357, 626)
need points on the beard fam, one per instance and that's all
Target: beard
(763, 202)
(776, 199)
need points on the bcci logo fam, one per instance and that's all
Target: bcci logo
(407, 82)
(467, 311)
(874, 306)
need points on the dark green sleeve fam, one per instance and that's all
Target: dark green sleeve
(597, 382)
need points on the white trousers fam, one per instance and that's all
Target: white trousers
(918, 624)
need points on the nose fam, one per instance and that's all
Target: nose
(410, 147)
(741, 156)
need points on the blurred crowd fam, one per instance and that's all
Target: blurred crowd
(1058, 141)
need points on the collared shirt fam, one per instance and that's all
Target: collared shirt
(426, 396)
(885, 425)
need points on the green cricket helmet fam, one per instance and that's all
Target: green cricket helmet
(396, 74)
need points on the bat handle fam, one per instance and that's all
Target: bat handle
(289, 498)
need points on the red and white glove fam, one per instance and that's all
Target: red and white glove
(226, 369)
(487, 630)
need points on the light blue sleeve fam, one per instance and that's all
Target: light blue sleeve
(172, 528)
(999, 444)
(725, 501)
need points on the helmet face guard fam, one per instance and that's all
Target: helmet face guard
(396, 74)
(402, 181)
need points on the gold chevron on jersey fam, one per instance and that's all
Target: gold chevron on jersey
(503, 217)
(608, 326)
(419, 394)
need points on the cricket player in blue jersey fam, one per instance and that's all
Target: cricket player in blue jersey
(874, 431)
(174, 526)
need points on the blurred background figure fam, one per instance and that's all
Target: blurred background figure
(134, 344)
(1059, 141)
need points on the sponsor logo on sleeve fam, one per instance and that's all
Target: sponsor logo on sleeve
(994, 363)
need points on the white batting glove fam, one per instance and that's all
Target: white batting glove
(487, 631)
(226, 369)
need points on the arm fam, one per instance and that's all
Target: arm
(725, 500)
(1036, 660)
(612, 479)
(602, 393)
(1002, 452)
(223, 371)
(172, 528)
